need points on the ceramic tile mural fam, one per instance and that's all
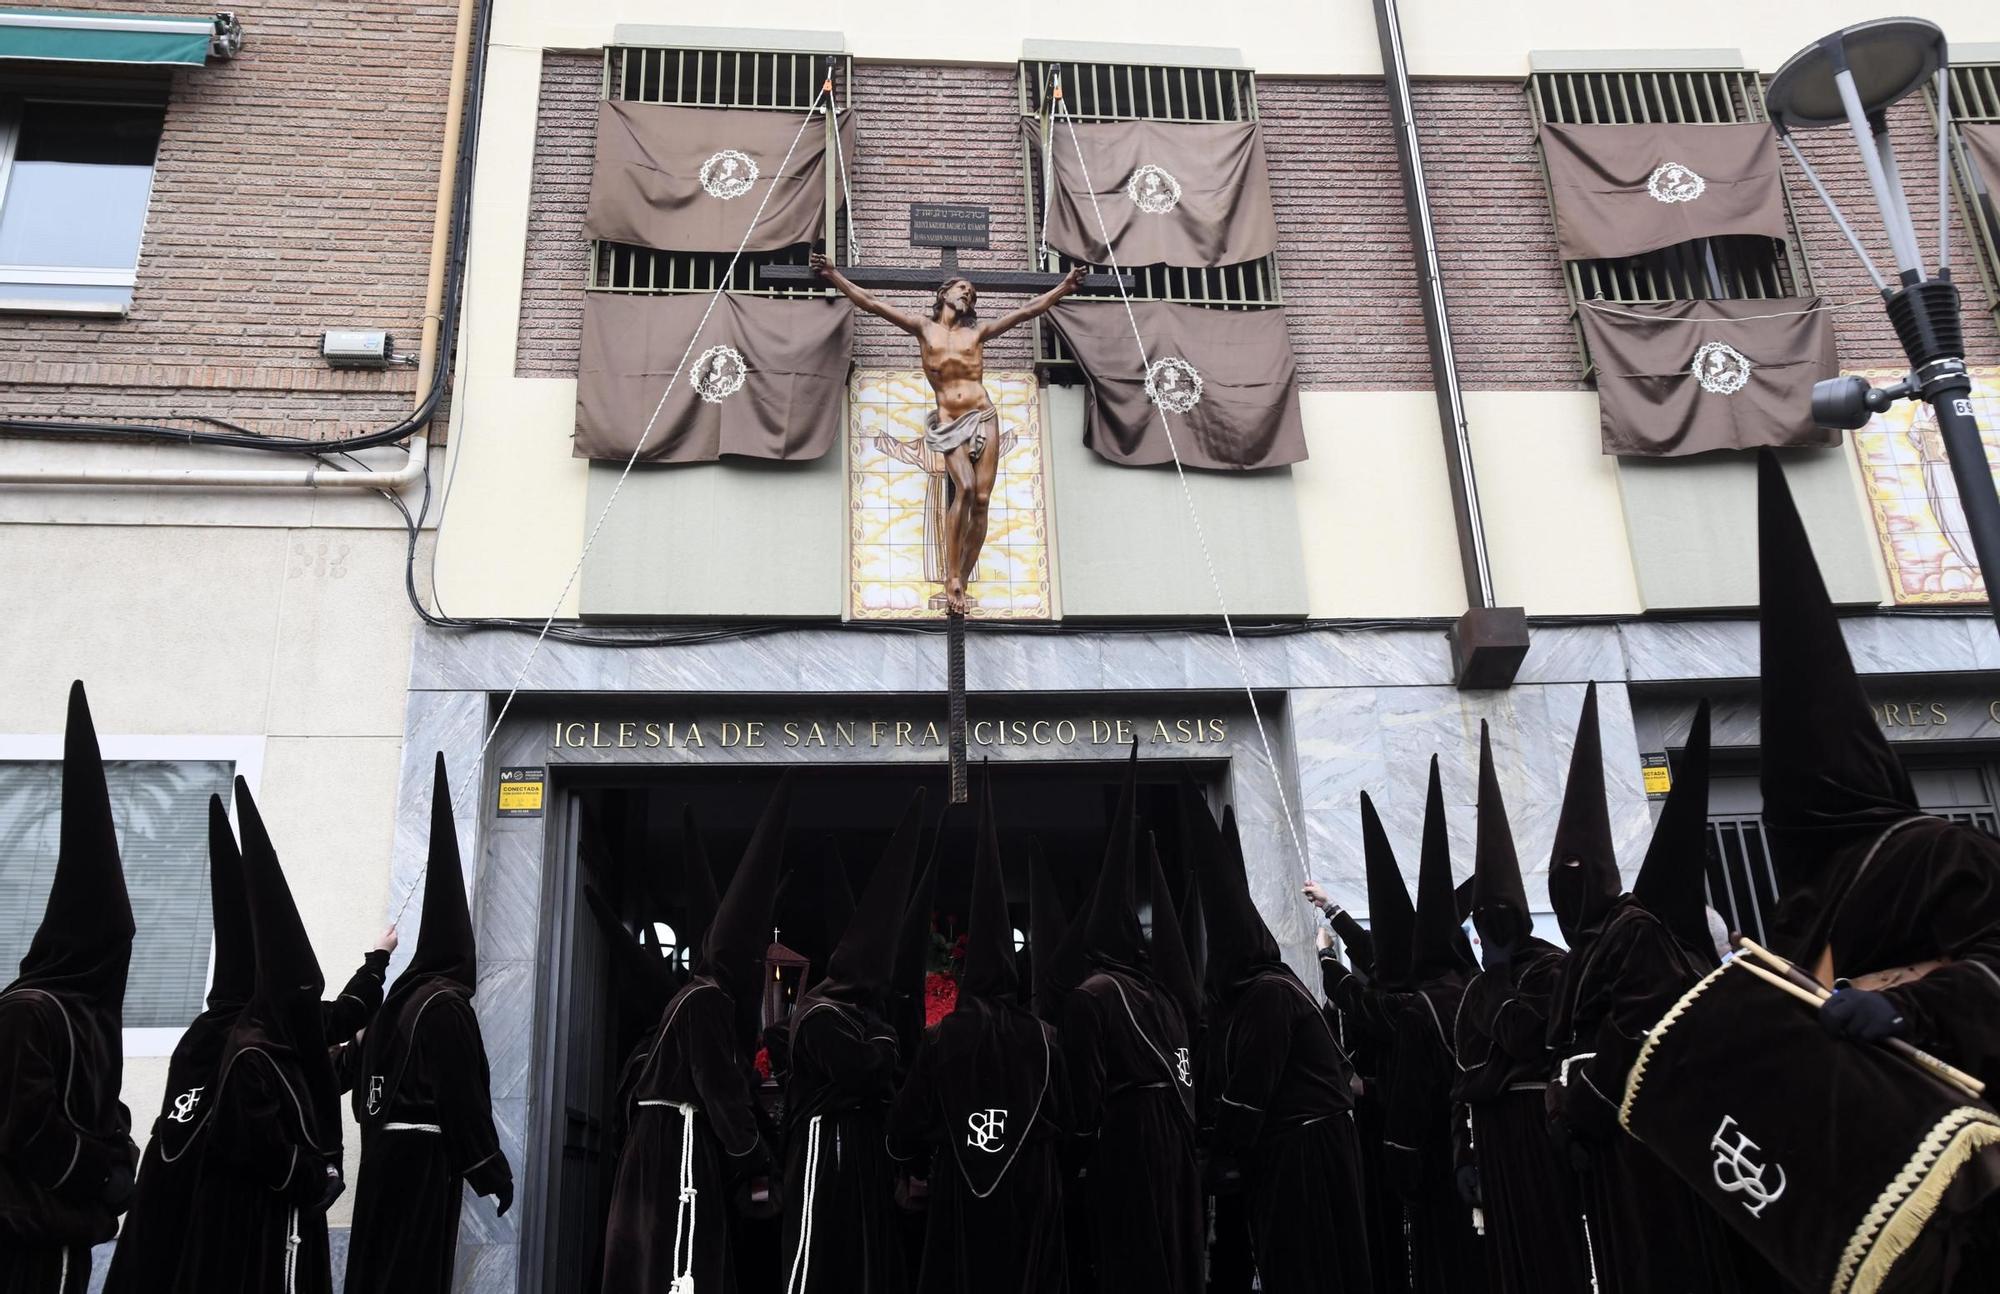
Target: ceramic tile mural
(1914, 500)
(896, 500)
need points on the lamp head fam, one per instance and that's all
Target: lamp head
(1890, 59)
(1846, 403)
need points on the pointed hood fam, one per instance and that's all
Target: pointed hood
(1048, 937)
(989, 946)
(446, 949)
(235, 968)
(836, 895)
(1171, 968)
(697, 883)
(1392, 918)
(1112, 934)
(913, 944)
(733, 949)
(1831, 782)
(84, 944)
(1499, 900)
(1239, 943)
(1583, 866)
(859, 971)
(1439, 946)
(1194, 926)
(1672, 882)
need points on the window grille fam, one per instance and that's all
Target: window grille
(777, 81)
(1975, 99)
(161, 808)
(1097, 92)
(1724, 268)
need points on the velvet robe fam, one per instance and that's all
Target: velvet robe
(1444, 1251)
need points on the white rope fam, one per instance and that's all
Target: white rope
(722, 286)
(840, 164)
(683, 1281)
(1602, 308)
(1048, 178)
(1187, 495)
(796, 1283)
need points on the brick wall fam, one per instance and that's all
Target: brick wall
(1345, 257)
(293, 193)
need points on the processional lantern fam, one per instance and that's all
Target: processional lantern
(1851, 78)
(784, 981)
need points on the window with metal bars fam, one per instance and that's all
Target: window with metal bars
(778, 81)
(1095, 92)
(1975, 100)
(1732, 268)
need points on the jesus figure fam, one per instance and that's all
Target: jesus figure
(965, 426)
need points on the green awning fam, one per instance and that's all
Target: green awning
(72, 36)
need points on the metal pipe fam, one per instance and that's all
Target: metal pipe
(447, 188)
(1944, 169)
(1907, 260)
(1833, 209)
(1892, 170)
(317, 476)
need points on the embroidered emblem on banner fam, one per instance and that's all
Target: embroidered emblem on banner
(1153, 189)
(729, 174)
(184, 1105)
(1182, 1070)
(986, 1130)
(719, 373)
(374, 1093)
(1738, 1173)
(1173, 384)
(1673, 182)
(1720, 368)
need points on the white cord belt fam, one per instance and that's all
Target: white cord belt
(413, 1127)
(796, 1283)
(683, 1282)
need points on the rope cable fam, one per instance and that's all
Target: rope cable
(1601, 308)
(1187, 493)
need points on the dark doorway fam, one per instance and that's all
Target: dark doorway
(615, 902)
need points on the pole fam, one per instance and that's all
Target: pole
(1959, 430)
(955, 685)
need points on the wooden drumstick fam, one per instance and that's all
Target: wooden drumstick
(1808, 990)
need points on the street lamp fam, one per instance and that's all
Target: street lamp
(1851, 78)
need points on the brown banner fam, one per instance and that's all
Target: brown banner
(1692, 376)
(1195, 194)
(1623, 190)
(1983, 143)
(764, 379)
(1226, 379)
(691, 179)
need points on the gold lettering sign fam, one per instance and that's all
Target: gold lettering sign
(882, 734)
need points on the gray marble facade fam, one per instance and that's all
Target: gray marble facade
(1342, 710)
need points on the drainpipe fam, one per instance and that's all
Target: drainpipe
(1488, 642)
(318, 476)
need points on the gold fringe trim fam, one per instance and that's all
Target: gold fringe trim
(1906, 1206)
(1659, 1031)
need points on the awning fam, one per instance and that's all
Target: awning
(72, 36)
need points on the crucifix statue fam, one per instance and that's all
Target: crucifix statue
(964, 429)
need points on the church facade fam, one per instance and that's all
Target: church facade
(1292, 635)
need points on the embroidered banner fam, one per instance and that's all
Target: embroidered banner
(765, 378)
(691, 179)
(1226, 379)
(1691, 376)
(1194, 194)
(1623, 190)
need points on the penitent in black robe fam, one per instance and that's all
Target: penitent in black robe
(1534, 1225)
(689, 1086)
(1285, 1109)
(1444, 1251)
(1361, 1011)
(1131, 1096)
(152, 1240)
(840, 1232)
(423, 1100)
(1649, 1234)
(986, 1104)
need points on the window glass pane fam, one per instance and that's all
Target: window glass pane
(76, 195)
(162, 813)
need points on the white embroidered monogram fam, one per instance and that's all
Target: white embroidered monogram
(1182, 1069)
(729, 174)
(375, 1093)
(719, 373)
(1739, 1174)
(986, 1130)
(1153, 189)
(1173, 384)
(1720, 368)
(184, 1105)
(1673, 182)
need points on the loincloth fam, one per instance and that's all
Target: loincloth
(970, 429)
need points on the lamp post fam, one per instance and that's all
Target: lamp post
(1850, 79)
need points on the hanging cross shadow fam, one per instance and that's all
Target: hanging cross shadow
(948, 227)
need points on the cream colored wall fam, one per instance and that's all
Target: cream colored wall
(1278, 37)
(298, 635)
